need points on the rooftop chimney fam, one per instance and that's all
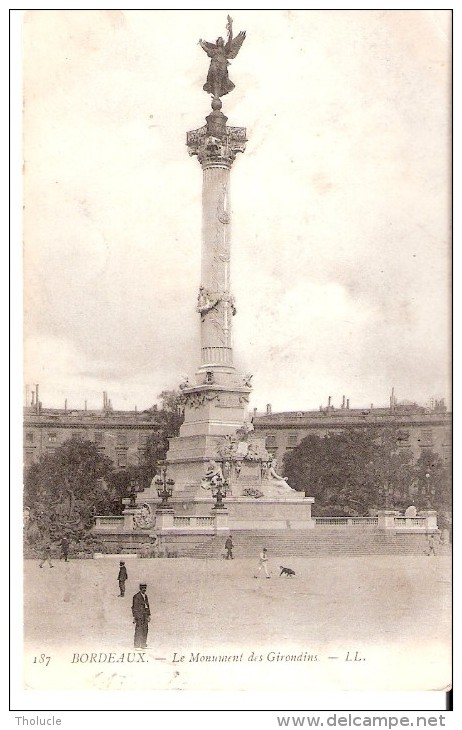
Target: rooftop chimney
(268, 409)
(348, 404)
(37, 402)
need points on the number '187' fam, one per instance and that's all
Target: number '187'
(42, 659)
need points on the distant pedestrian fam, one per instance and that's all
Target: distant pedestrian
(46, 556)
(141, 617)
(65, 549)
(431, 545)
(229, 548)
(263, 563)
(122, 577)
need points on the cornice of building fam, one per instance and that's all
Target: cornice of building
(344, 419)
(54, 418)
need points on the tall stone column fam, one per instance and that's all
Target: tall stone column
(216, 447)
(216, 399)
(216, 146)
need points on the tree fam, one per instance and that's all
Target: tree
(170, 417)
(171, 402)
(432, 483)
(354, 470)
(390, 469)
(65, 490)
(156, 451)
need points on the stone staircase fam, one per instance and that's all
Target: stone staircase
(307, 543)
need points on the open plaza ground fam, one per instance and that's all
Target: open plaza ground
(368, 623)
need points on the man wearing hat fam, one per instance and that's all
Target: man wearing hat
(122, 577)
(141, 617)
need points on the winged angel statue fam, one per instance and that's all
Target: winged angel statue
(218, 82)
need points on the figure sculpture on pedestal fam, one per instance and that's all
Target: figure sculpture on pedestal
(272, 474)
(218, 82)
(276, 485)
(213, 476)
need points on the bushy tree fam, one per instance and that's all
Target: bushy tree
(391, 469)
(63, 491)
(433, 485)
(355, 470)
(170, 417)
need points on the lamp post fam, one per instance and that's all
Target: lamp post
(133, 491)
(131, 507)
(430, 490)
(164, 486)
(307, 487)
(130, 500)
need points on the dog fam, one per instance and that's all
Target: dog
(286, 571)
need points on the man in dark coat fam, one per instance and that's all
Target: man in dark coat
(141, 617)
(122, 577)
(65, 548)
(229, 548)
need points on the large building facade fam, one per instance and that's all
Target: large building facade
(420, 428)
(120, 435)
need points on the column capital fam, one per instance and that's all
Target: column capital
(215, 144)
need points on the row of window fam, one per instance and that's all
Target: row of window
(425, 441)
(121, 461)
(426, 438)
(121, 439)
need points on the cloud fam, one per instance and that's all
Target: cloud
(340, 205)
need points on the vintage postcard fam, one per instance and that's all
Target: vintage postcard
(237, 405)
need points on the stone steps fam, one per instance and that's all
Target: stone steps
(310, 543)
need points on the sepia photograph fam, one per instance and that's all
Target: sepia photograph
(237, 408)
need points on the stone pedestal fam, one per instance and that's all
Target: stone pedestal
(164, 519)
(430, 518)
(270, 514)
(386, 519)
(221, 520)
(128, 518)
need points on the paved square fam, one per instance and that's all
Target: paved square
(366, 623)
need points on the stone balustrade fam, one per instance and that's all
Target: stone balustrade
(346, 521)
(425, 521)
(400, 522)
(193, 522)
(109, 522)
(167, 521)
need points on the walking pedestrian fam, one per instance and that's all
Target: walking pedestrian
(263, 563)
(229, 548)
(141, 617)
(122, 577)
(431, 545)
(46, 556)
(64, 549)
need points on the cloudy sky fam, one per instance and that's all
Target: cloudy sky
(340, 204)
